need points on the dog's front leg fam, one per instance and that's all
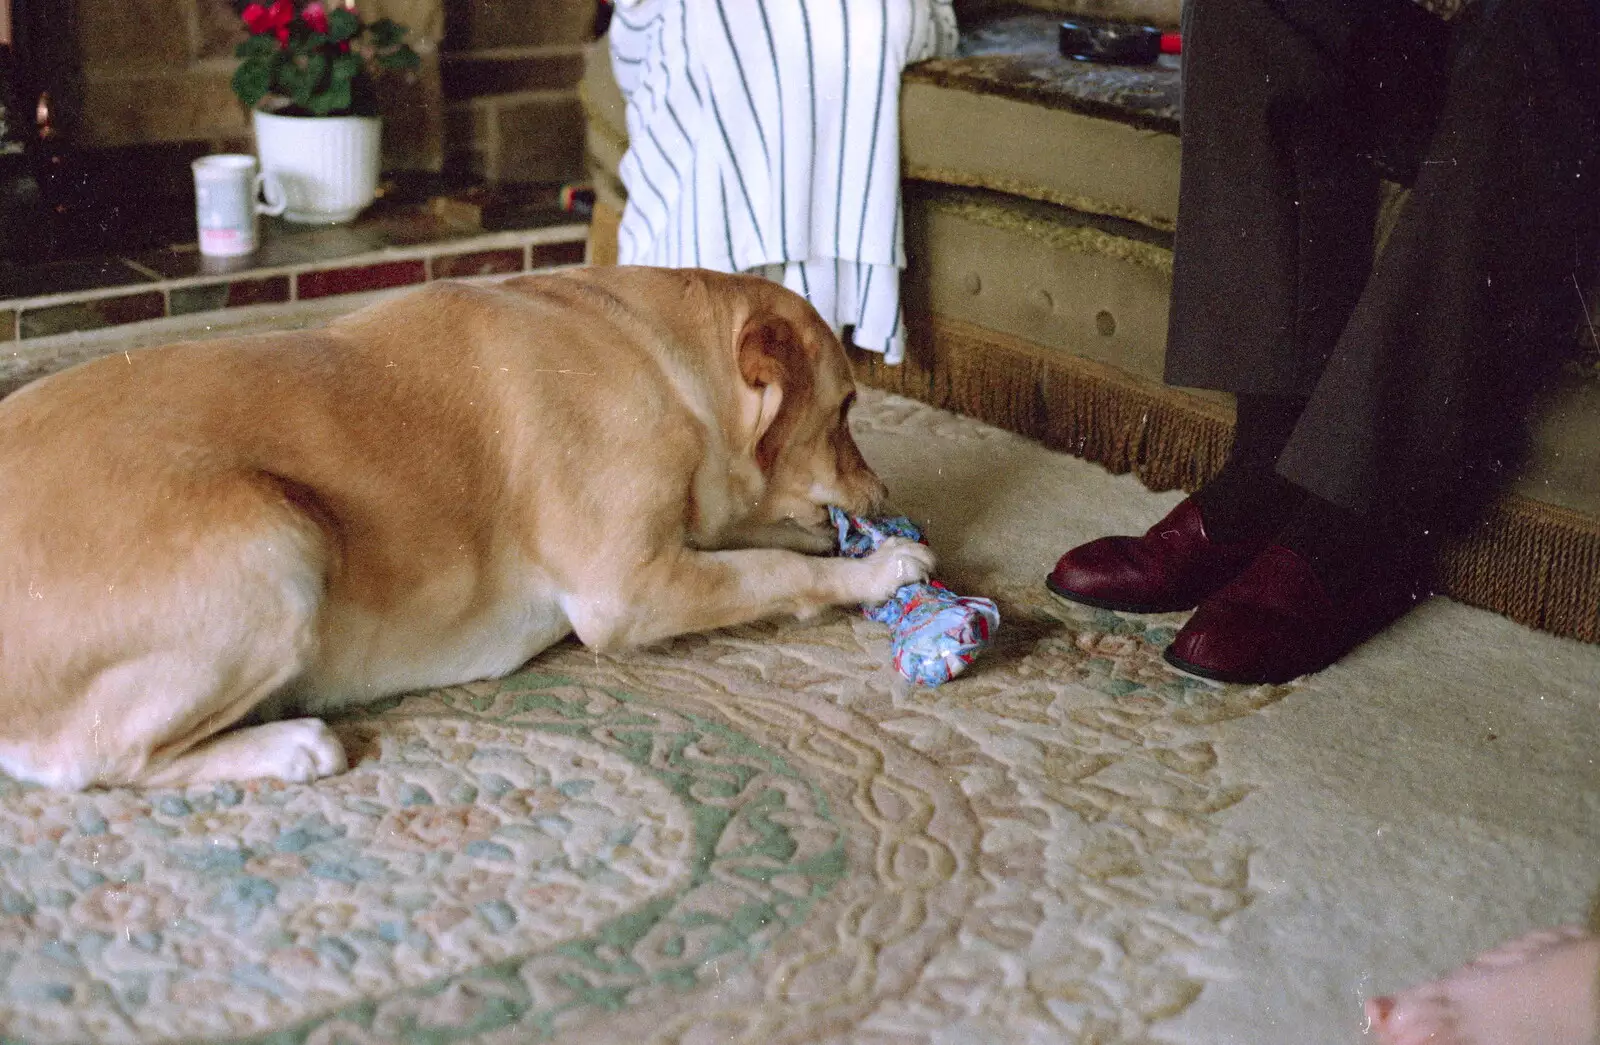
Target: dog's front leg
(789, 536)
(691, 591)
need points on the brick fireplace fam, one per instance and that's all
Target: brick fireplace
(137, 88)
(496, 96)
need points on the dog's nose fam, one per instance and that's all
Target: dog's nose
(856, 478)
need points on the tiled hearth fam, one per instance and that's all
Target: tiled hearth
(473, 233)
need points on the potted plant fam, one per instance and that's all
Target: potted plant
(310, 73)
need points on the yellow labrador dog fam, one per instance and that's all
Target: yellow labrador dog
(423, 493)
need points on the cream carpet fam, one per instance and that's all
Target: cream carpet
(763, 836)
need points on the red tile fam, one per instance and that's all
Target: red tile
(476, 263)
(131, 308)
(327, 282)
(545, 255)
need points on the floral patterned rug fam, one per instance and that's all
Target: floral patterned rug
(760, 835)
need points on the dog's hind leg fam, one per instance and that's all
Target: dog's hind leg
(279, 594)
(149, 687)
(295, 750)
(165, 719)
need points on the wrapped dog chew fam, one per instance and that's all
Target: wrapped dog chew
(934, 633)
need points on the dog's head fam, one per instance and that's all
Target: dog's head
(798, 372)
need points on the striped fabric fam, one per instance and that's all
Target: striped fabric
(764, 137)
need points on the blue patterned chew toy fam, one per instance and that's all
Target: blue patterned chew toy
(934, 633)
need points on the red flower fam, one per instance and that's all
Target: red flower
(274, 19)
(316, 17)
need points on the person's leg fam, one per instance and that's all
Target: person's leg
(1247, 499)
(1422, 406)
(1479, 279)
(1427, 386)
(1284, 104)
(1277, 204)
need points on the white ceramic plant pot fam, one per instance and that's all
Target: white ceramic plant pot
(327, 165)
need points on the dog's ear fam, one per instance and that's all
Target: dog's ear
(776, 365)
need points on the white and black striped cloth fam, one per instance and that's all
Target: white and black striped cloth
(763, 136)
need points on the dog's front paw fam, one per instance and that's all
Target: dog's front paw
(893, 564)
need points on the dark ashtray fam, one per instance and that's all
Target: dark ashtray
(1118, 43)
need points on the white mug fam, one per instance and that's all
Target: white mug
(227, 191)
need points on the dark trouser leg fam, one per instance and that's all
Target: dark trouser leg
(1278, 195)
(1247, 499)
(1277, 207)
(1432, 372)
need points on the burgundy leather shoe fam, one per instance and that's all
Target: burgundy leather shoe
(1276, 621)
(1172, 567)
